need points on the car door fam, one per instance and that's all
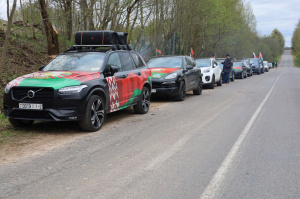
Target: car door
(216, 69)
(115, 82)
(129, 79)
(191, 75)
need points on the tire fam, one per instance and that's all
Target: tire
(94, 114)
(198, 91)
(143, 104)
(212, 84)
(20, 123)
(182, 92)
(232, 78)
(220, 82)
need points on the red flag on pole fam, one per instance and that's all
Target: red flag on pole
(192, 53)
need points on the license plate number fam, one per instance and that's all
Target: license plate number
(153, 91)
(31, 106)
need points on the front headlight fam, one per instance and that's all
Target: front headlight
(71, 89)
(7, 88)
(206, 70)
(171, 76)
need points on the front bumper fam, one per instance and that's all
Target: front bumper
(256, 70)
(207, 78)
(238, 73)
(68, 107)
(163, 87)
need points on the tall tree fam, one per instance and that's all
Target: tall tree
(51, 33)
(6, 41)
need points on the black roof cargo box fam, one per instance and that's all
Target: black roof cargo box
(96, 38)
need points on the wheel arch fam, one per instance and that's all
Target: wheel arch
(98, 91)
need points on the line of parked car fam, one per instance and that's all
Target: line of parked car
(101, 74)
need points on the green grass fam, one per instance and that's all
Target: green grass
(296, 60)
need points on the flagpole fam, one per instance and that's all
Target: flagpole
(156, 52)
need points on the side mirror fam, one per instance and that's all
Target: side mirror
(114, 69)
(41, 68)
(189, 67)
(111, 70)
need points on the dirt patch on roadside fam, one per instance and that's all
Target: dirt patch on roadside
(44, 136)
(29, 146)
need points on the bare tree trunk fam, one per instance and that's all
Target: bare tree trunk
(32, 24)
(52, 38)
(91, 15)
(6, 42)
(7, 11)
(84, 10)
(23, 17)
(69, 18)
(129, 10)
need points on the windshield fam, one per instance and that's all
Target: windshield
(84, 61)
(253, 61)
(237, 64)
(203, 62)
(265, 63)
(165, 62)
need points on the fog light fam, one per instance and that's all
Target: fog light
(207, 78)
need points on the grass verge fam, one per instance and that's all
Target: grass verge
(296, 60)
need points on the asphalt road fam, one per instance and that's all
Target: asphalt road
(237, 141)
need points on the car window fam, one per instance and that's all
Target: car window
(237, 64)
(114, 60)
(83, 61)
(254, 61)
(165, 62)
(203, 62)
(126, 60)
(137, 60)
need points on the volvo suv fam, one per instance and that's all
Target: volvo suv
(98, 75)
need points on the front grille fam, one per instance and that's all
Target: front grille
(37, 115)
(41, 94)
(161, 85)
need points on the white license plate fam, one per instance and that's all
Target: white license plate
(153, 91)
(31, 106)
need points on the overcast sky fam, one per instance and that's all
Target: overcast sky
(270, 14)
(280, 14)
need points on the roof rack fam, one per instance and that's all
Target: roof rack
(99, 39)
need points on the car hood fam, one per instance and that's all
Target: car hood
(237, 68)
(160, 72)
(203, 69)
(54, 79)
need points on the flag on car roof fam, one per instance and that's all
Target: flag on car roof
(254, 55)
(260, 56)
(192, 53)
(158, 51)
(215, 56)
